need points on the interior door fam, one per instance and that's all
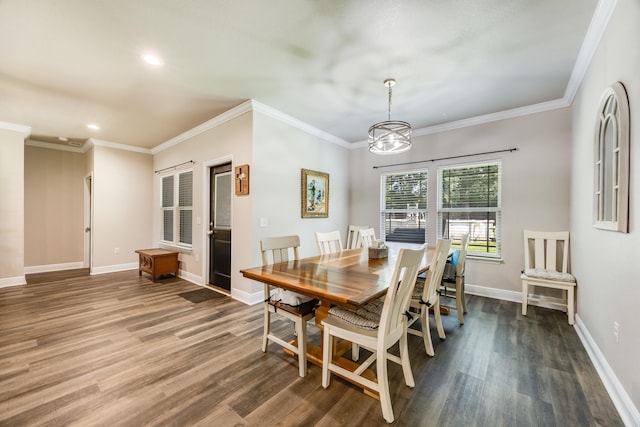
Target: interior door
(221, 184)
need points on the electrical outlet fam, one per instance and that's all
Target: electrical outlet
(116, 250)
(616, 331)
(264, 222)
(197, 257)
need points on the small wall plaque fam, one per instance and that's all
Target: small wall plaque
(242, 180)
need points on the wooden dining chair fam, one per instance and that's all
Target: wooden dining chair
(546, 264)
(425, 296)
(456, 282)
(279, 249)
(376, 327)
(366, 236)
(352, 235)
(329, 243)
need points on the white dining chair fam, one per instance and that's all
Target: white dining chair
(366, 237)
(457, 281)
(425, 296)
(329, 243)
(377, 327)
(352, 235)
(279, 249)
(546, 264)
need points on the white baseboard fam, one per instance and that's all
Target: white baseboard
(513, 296)
(12, 281)
(113, 268)
(53, 267)
(246, 297)
(628, 412)
(190, 277)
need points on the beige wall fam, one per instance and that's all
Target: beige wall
(122, 207)
(603, 261)
(53, 207)
(229, 141)
(535, 184)
(11, 207)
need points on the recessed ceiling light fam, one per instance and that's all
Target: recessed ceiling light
(93, 126)
(152, 59)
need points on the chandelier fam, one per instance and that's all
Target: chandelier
(391, 136)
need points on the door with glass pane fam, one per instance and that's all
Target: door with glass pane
(221, 181)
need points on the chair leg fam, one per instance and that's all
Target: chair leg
(406, 363)
(525, 295)
(464, 297)
(459, 300)
(327, 350)
(355, 352)
(438, 319)
(383, 383)
(301, 329)
(570, 305)
(426, 331)
(267, 328)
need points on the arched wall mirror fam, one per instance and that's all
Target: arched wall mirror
(611, 161)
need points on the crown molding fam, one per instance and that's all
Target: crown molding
(209, 124)
(100, 143)
(25, 130)
(597, 27)
(60, 147)
(292, 121)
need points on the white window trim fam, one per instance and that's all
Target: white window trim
(176, 211)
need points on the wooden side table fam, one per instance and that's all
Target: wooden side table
(157, 262)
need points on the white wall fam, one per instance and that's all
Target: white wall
(222, 143)
(535, 184)
(280, 153)
(122, 202)
(604, 262)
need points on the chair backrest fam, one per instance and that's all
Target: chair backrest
(279, 248)
(546, 250)
(366, 236)
(329, 243)
(436, 269)
(396, 303)
(352, 235)
(462, 258)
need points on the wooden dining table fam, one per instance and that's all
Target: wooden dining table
(348, 279)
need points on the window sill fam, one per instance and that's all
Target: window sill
(182, 249)
(485, 259)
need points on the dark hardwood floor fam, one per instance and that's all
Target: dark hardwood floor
(119, 350)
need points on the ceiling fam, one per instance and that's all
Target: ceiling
(67, 63)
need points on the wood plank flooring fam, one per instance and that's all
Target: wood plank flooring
(119, 350)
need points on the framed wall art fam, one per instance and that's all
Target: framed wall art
(314, 191)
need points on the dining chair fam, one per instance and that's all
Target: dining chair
(546, 264)
(329, 243)
(352, 235)
(425, 296)
(279, 248)
(365, 238)
(459, 260)
(377, 327)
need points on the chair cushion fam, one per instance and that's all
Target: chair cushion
(367, 317)
(541, 273)
(290, 298)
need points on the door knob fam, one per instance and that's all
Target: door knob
(88, 229)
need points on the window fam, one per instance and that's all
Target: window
(177, 232)
(469, 202)
(403, 214)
